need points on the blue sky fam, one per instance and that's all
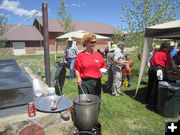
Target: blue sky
(101, 11)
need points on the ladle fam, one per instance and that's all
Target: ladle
(55, 104)
(88, 100)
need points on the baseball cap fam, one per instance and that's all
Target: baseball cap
(69, 39)
(121, 43)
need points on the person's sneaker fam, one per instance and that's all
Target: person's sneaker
(115, 94)
(70, 78)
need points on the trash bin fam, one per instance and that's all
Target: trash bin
(58, 76)
(168, 99)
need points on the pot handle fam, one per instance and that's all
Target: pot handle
(99, 100)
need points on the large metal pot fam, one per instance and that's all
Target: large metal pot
(86, 111)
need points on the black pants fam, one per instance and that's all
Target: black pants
(91, 86)
(151, 96)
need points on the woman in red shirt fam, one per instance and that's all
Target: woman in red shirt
(87, 67)
(161, 61)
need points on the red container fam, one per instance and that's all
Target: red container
(31, 109)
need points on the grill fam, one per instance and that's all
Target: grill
(15, 88)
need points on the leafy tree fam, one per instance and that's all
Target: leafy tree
(117, 36)
(65, 20)
(145, 13)
(3, 21)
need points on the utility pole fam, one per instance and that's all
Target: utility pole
(46, 44)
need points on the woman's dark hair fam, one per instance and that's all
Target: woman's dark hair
(164, 45)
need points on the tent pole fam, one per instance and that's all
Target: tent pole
(146, 50)
(55, 51)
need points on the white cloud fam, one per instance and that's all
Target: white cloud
(13, 6)
(77, 5)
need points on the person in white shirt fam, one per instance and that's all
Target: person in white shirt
(70, 55)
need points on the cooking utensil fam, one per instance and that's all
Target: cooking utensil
(88, 100)
(55, 104)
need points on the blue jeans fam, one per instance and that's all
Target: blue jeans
(71, 66)
(128, 79)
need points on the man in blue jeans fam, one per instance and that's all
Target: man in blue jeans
(70, 55)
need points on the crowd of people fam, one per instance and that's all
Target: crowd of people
(86, 66)
(162, 59)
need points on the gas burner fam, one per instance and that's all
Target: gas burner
(94, 131)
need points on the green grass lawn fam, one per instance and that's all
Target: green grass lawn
(124, 115)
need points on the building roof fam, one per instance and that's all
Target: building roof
(23, 33)
(97, 28)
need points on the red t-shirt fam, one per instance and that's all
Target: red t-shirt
(161, 58)
(89, 65)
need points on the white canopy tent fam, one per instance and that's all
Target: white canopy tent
(170, 30)
(77, 36)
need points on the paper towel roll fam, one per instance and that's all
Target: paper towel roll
(37, 88)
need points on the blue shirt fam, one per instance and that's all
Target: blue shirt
(173, 52)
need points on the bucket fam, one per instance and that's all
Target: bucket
(169, 99)
(85, 112)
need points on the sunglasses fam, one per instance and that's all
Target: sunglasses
(92, 42)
